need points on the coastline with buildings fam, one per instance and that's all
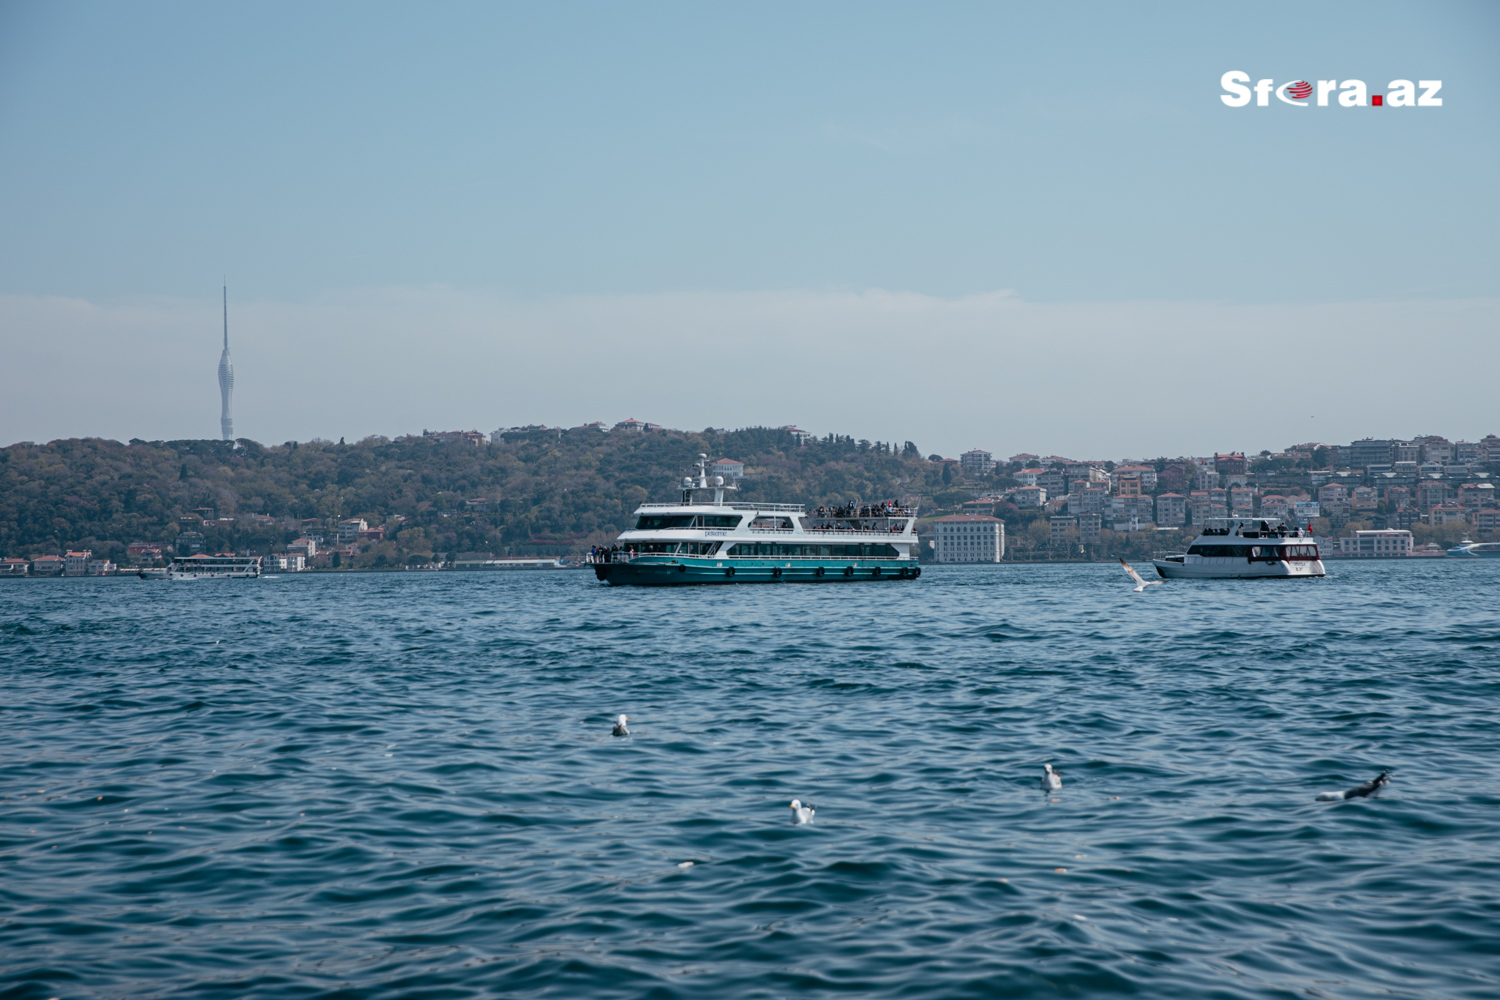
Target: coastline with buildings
(539, 496)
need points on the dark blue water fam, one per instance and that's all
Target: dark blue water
(404, 785)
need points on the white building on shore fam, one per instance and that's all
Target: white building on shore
(968, 538)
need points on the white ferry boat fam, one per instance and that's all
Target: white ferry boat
(1236, 548)
(206, 567)
(1467, 549)
(702, 540)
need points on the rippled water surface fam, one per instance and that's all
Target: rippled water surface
(404, 785)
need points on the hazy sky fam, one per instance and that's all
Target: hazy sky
(1018, 227)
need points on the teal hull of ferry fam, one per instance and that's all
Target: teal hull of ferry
(648, 572)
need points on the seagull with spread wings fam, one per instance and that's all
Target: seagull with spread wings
(1140, 584)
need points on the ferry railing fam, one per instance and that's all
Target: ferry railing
(775, 508)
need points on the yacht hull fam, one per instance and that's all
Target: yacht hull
(1238, 569)
(647, 572)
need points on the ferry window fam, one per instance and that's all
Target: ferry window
(655, 522)
(720, 520)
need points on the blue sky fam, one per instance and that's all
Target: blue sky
(511, 160)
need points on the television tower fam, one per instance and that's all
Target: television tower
(226, 376)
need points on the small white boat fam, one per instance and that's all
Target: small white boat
(1242, 548)
(221, 567)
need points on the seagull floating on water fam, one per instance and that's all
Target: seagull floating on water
(1140, 584)
(1051, 780)
(1365, 790)
(620, 728)
(801, 813)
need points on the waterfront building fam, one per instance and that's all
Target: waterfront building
(286, 562)
(977, 462)
(14, 567)
(1171, 510)
(102, 567)
(968, 538)
(48, 566)
(1377, 544)
(77, 563)
(1062, 526)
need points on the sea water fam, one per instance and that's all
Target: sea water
(404, 785)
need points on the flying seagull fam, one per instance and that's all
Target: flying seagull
(1051, 780)
(801, 813)
(1140, 584)
(1369, 788)
(620, 728)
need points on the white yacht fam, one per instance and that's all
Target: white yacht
(707, 539)
(220, 567)
(1235, 548)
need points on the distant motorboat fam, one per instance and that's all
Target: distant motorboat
(153, 573)
(1475, 550)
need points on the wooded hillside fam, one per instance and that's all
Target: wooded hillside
(543, 491)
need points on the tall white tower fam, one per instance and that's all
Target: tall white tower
(226, 376)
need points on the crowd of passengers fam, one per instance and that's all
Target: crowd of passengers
(1280, 531)
(886, 508)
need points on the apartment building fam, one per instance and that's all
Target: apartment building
(977, 462)
(1171, 510)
